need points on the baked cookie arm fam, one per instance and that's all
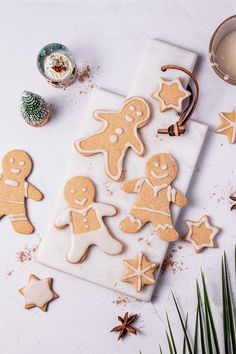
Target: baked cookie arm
(105, 209)
(63, 219)
(180, 199)
(130, 186)
(137, 145)
(33, 193)
(90, 145)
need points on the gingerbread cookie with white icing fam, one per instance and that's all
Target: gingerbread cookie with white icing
(14, 190)
(119, 132)
(84, 216)
(155, 194)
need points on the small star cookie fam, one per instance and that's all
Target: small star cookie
(38, 293)
(171, 95)
(201, 234)
(139, 272)
(228, 125)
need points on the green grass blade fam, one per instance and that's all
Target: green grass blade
(169, 343)
(183, 327)
(209, 313)
(202, 334)
(195, 345)
(230, 307)
(225, 310)
(171, 335)
(184, 342)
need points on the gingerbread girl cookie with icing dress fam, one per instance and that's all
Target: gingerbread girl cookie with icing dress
(119, 132)
(14, 189)
(84, 216)
(155, 194)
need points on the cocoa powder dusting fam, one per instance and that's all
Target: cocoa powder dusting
(171, 263)
(84, 74)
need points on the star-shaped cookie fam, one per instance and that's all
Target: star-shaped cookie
(38, 293)
(228, 125)
(139, 271)
(201, 234)
(170, 94)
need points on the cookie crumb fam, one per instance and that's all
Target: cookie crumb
(9, 273)
(121, 300)
(109, 189)
(27, 254)
(85, 74)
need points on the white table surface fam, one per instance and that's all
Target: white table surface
(110, 36)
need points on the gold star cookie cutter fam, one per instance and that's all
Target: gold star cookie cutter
(174, 94)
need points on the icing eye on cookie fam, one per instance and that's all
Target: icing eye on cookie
(22, 163)
(84, 189)
(11, 160)
(73, 191)
(164, 167)
(156, 164)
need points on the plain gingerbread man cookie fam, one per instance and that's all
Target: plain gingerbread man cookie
(14, 189)
(155, 194)
(119, 132)
(84, 216)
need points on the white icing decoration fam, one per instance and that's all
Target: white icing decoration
(11, 182)
(152, 210)
(138, 151)
(156, 164)
(163, 227)
(81, 202)
(113, 138)
(85, 220)
(139, 113)
(232, 125)
(73, 191)
(129, 118)
(99, 237)
(132, 108)
(157, 176)
(84, 189)
(15, 171)
(37, 292)
(26, 186)
(119, 131)
(22, 163)
(133, 219)
(17, 217)
(12, 160)
(139, 272)
(164, 167)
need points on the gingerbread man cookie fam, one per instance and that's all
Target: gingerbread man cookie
(14, 189)
(119, 132)
(84, 216)
(155, 194)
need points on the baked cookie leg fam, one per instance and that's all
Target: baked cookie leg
(164, 229)
(90, 145)
(21, 223)
(107, 243)
(114, 164)
(79, 248)
(132, 223)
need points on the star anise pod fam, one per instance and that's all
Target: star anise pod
(125, 325)
(234, 200)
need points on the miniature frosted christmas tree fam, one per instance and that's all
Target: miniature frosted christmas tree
(34, 109)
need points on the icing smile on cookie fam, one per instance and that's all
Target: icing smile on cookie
(157, 176)
(81, 202)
